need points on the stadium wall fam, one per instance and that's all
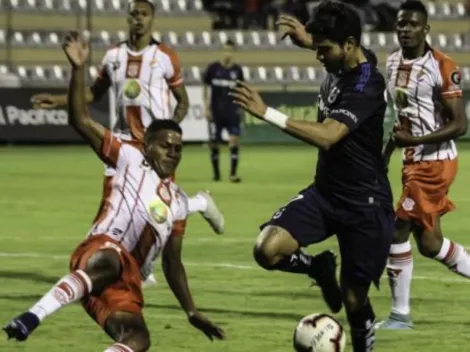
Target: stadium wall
(21, 123)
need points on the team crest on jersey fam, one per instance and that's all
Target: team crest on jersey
(233, 75)
(163, 191)
(133, 69)
(333, 95)
(132, 89)
(158, 211)
(456, 77)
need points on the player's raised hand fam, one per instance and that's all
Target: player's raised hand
(76, 49)
(291, 27)
(45, 101)
(249, 99)
(202, 323)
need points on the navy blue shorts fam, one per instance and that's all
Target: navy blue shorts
(231, 123)
(364, 233)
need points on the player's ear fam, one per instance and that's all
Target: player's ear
(427, 28)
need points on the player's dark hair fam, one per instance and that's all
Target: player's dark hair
(159, 125)
(415, 6)
(335, 21)
(150, 2)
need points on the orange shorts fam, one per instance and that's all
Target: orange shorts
(425, 191)
(124, 295)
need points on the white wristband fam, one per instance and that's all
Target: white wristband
(276, 117)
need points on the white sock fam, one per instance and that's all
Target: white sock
(197, 204)
(400, 271)
(455, 257)
(69, 289)
(119, 347)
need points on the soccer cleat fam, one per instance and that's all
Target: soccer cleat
(149, 281)
(22, 326)
(212, 214)
(216, 178)
(323, 271)
(395, 322)
(235, 179)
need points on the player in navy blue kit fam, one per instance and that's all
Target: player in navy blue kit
(221, 112)
(351, 195)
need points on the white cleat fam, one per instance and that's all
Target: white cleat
(395, 322)
(212, 214)
(150, 281)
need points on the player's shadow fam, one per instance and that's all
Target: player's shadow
(312, 293)
(20, 298)
(244, 313)
(27, 276)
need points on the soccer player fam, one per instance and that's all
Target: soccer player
(351, 195)
(425, 86)
(141, 71)
(221, 113)
(145, 215)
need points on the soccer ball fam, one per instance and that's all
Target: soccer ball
(319, 333)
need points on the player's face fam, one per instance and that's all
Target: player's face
(164, 152)
(140, 18)
(411, 29)
(227, 53)
(331, 55)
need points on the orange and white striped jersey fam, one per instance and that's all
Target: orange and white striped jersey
(417, 88)
(141, 82)
(142, 211)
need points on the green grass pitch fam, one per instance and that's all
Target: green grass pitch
(49, 195)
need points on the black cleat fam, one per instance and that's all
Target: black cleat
(216, 178)
(22, 326)
(235, 179)
(323, 271)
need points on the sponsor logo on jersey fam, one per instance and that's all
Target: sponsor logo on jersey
(132, 89)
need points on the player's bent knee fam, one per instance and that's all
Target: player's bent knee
(129, 329)
(429, 245)
(103, 268)
(273, 244)
(402, 231)
(139, 341)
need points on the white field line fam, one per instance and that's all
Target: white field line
(218, 265)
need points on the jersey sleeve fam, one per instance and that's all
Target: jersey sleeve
(357, 102)
(181, 215)
(173, 74)
(113, 152)
(450, 77)
(208, 75)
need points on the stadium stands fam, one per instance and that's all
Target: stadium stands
(57, 75)
(437, 10)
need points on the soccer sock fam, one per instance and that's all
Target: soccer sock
(455, 257)
(400, 271)
(362, 328)
(233, 160)
(197, 204)
(215, 162)
(297, 263)
(119, 347)
(69, 289)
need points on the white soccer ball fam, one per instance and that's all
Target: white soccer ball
(319, 333)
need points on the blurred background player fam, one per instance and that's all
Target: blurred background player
(141, 71)
(105, 268)
(351, 196)
(221, 112)
(424, 84)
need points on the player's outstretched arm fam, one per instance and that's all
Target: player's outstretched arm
(77, 53)
(322, 135)
(182, 102)
(175, 275)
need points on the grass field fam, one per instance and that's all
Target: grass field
(48, 196)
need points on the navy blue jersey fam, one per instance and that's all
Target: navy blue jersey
(352, 171)
(221, 79)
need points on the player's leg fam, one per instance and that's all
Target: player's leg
(399, 271)
(129, 331)
(234, 130)
(299, 223)
(215, 138)
(100, 267)
(432, 244)
(364, 236)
